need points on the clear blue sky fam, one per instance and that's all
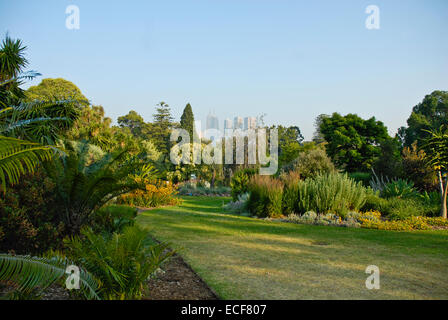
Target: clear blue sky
(292, 60)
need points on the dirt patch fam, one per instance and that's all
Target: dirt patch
(178, 282)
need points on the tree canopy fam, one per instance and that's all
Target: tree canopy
(426, 116)
(352, 142)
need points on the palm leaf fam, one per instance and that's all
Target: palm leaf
(32, 274)
(18, 157)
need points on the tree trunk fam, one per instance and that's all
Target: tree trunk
(212, 183)
(441, 185)
(443, 211)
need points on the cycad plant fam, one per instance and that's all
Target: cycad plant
(31, 276)
(83, 185)
(121, 261)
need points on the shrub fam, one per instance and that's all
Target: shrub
(372, 220)
(239, 206)
(328, 219)
(399, 209)
(311, 163)
(335, 193)
(399, 188)
(122, 262)
(30, 221)
(114, 218)
(240, 182)
(265, 198)
(157, 193)
(290, 192)
(363, 177)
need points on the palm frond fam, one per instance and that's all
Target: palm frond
(18, 157)
(31, 274)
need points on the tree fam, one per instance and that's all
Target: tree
(389, 163)
(12, 65)
(416, 168)
(427, 116)
(187, 120)
(289, 143)
(352, 142)
(436, 147)
(25, 128)
(133, 121)
(160, 129)
(56, 89)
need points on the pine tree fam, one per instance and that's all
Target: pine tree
(187, 120)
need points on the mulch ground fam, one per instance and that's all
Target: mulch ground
(179, 282)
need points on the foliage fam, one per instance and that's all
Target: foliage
(364, 177)
(328, 219)
(330, 193)
(122, 261)
(187, 120)
(290, 202)
(429, 114)
(265, 198)
(133, 121)
(311, 163)
(114, 218)
(352, 142)
(400, 189)
(83, 186)
(436, 148)
(399, 209)
(239, 206)
(155, 194)
(389, 162)
(29, 216)
(240, 182)
(372, 220)
(197, 189)
(33, 275)
(289, 140)
(415, 165)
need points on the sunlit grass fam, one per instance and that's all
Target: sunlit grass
(246, 258)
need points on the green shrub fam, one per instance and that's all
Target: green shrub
(240, 182)
(399, 209)
(363, 177)
(114, 218)
(265, 198)
(330, 193)
(30, 219)
(290, 192)
(122, 262)
(328, 219)
(240, 206)
(311, 163)
(399, 188)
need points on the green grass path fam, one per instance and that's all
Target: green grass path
(246, 258)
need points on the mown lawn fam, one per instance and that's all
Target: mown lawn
(246, 258)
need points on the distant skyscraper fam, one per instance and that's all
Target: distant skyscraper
(237, 123)
(228, 124)
(212, 122)
(250, 123)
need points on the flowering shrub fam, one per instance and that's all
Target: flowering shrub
(156, 193)
(372, 220)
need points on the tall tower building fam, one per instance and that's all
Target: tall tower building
(237, 123)
(250, 123)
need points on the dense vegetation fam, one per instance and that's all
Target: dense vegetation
(69, 181)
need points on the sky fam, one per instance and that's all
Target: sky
(289, 60)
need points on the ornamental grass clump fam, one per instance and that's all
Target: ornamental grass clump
(265, 198)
